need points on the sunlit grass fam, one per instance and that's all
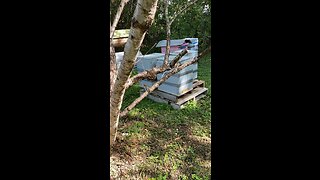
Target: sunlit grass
(165, 143)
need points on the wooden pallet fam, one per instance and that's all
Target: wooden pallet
(178, 102)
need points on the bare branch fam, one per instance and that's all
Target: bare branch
(152, 73)
(157, 84)
(168, 27)
(117, 17)
(182, 10)
(178, 57)
(166, 58)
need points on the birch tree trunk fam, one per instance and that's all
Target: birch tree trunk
(142, 19)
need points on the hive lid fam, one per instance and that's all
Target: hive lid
(184, 58)
(153, 55)
(122, 53)
(173, 42)
(177, 42)
(188, 53)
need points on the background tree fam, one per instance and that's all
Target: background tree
(194, 22)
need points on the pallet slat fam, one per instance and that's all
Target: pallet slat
(165, 95)
(198, 92)
(173, 98)
(197, 83)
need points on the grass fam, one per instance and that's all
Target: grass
(157, 142)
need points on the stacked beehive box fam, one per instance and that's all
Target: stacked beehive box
(191, 54)
(148, 61)
(180, 87)
(180, 82)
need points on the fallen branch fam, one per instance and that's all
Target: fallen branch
(163, 79)
(166, 58)
(152, 73)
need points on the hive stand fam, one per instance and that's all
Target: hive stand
(197, 92)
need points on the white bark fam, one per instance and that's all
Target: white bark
(142, 19)
(166, 58)
(113, 67)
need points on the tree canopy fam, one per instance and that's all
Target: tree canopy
(194, 22)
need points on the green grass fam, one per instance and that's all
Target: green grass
(164, 143)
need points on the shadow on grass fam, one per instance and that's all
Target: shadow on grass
(173, 150)
(187, 151)
(162, 142)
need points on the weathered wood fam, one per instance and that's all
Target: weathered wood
(195, 92)
(162, 97)
(168, 96)
(158, 99)
(120, 37)
(176, 106)
(119, 42)
(197, 83)
(173, 98)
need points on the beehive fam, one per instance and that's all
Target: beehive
(119, 57)
(178, 83)
(145, 62)
(191, 54)
(174, 45)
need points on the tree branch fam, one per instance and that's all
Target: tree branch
(181, 10)
(117, 17)
(168, 27)
(152, 73)
(166, 58)
(142, 20)
(157, 84)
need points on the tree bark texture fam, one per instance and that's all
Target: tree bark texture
(152, 73)
(142, 19)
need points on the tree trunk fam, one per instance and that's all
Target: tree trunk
(142, 19)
